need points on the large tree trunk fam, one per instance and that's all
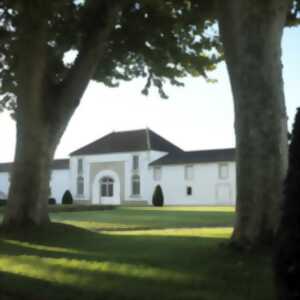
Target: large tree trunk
(29, 190)
(251, 31)
(45, 108)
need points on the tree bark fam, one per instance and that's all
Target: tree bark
(29, 190)
(44, 110)
(251, 32)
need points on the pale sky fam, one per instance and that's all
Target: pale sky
(197, 116)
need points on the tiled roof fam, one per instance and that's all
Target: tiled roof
(202, 156)
(128, 141)
(58, 164)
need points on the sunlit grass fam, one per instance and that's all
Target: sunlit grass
(221, 233)
(183, 208)
(61, 270)
(40, 247)
(134, 253)
(132, 218)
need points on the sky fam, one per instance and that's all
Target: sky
(197, 116)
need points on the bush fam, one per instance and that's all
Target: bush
(67, 198)
(287, 251)
(52, 201)
(158, 196)
(3, 202)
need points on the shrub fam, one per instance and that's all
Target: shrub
(52, 201)
(67, 198)
(158, 196)
(287, 253)
(3, 202)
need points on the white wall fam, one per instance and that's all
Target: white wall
(145, 157)
(4, 183)
(59, 183)
(208, 188)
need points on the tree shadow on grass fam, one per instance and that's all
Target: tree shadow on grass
(66, 241)
(114, 266)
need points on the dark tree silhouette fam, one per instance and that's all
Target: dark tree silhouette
(287, 256)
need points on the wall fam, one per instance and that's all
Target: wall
(114, 170)
(208, 188)
(89, 161)
(59, 183)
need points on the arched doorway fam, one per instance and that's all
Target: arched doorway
(106, 188)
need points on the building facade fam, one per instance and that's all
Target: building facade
(125, 167)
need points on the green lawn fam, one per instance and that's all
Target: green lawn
(134, 253)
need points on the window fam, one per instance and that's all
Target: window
(189, 172)
(157, 173)
(80, 166)
(107, 187)
(223, 171)
(135, 162)
(136, 185)
(80, 186)
(189, 191)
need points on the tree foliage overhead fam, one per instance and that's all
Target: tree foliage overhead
(156, 40)
(294, 14)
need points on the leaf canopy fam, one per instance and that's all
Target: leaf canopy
(161, 41)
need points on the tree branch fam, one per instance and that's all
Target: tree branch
(102, 16)
(98, 22)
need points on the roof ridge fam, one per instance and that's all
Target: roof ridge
(157, 135)
(212, 149)
(148, 140)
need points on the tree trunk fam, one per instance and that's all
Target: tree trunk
(29, 191)
(44, 108)
(251, 31)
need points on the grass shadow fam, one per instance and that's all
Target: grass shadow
(129, 266)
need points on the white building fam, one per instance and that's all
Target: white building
(125, 167)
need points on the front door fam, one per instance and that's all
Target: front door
(107, 190)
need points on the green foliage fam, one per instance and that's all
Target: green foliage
(67, 198)
(287, 260)
(158, 197)
(293, 18)
(3, 202)
(161, 41)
